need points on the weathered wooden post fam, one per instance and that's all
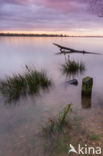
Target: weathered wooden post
(87, 84)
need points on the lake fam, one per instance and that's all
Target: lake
(20, 122)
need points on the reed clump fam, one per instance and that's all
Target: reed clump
(29, 83)
(72, 67)
(56, 125)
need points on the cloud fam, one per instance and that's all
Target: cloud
(51, 15)
(16, 2)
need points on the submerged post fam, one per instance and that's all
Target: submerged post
(86, 102)
(87, 84)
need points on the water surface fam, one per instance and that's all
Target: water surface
(21, 121)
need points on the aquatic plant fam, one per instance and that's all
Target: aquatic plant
(56, 125)
(72, 68)
(36, 80)
(29, 83)
(12, 88)
(95, 137)
(63, 115)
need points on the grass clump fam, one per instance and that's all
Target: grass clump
(94, 137)
(63, 115)
(29, 83)
(56, 133)
(72, 68)
(36, 80)
(12, 88)
(55, 125)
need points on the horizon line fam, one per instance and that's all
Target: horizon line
(44, 34)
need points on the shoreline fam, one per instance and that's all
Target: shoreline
(44, 35)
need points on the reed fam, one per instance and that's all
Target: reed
(56, 125)
(63, 115)
(29, 83)
(72, 68)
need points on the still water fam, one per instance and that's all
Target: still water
(20, 122)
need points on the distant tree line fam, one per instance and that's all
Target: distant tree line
(32, 35)
(45, 35)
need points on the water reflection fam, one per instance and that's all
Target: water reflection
(86, 102)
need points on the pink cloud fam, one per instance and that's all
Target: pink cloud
(46, 14)
(61, 5)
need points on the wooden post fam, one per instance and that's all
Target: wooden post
(87, 84)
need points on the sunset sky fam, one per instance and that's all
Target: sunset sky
(74, 17)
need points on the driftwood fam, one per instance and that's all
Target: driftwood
(66, 50)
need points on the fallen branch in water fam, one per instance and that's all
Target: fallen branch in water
(66, 50)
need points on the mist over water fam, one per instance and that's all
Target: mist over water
(20, 122)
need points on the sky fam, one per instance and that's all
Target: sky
(73, 17)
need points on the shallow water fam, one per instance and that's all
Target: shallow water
(21, 121)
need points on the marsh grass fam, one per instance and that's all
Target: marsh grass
(56, 133)
(72, 68)
(29, 83)
(63, 115)
(95, 137)
(56, 125)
